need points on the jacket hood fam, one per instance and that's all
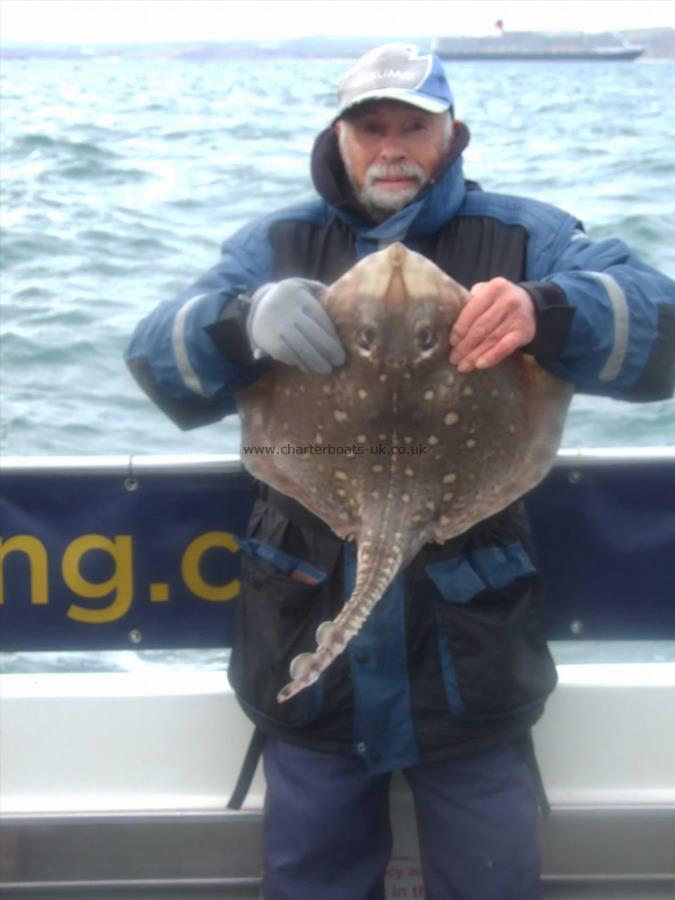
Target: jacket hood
(432, 207)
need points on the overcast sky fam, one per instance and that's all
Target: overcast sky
(115, 21)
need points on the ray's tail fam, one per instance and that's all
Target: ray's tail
(375, 570)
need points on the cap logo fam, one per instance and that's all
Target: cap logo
(384, 75)
(399, 63)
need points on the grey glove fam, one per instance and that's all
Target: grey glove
(288, 323)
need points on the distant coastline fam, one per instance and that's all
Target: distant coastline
(659, 43)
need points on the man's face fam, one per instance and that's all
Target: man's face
(390, 151)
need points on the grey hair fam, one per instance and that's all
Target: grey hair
(448, 129)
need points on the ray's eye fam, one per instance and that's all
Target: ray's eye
(425, 338)
(365, 339)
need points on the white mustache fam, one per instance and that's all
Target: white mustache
(394, 171)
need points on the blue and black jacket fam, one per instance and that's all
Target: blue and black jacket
(454, 656)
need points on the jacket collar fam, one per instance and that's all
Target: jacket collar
(437, 202)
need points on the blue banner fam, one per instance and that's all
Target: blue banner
(101, 561)
(107, 562)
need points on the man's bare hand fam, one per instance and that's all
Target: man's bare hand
(498, 319)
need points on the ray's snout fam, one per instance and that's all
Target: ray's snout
(396, 293)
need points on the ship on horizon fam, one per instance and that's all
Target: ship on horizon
(537, 46)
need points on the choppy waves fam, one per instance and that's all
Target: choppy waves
(120, 182)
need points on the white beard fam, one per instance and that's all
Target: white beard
(381, 202)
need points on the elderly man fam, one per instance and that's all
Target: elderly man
(447, 679)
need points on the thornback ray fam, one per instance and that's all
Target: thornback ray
(424, 451)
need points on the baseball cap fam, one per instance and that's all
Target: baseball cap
(400, 72)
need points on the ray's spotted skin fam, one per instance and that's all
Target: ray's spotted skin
(488, 437)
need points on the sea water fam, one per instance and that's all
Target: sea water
(121, 179)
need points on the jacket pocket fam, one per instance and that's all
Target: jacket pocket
(283, 599)
(494, 658)
(273, 562)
